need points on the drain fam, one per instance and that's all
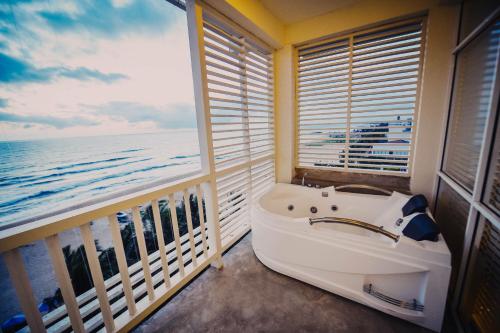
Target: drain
(314, 210)
(290, 207)
(334, 208)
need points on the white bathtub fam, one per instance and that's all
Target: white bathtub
(359, 264)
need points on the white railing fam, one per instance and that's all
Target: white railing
(123, 300)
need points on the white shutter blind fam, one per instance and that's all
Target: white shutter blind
(357, 99)
(240, 91)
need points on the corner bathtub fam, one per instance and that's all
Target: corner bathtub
(402, 277)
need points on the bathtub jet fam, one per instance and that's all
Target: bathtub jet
(357, 250)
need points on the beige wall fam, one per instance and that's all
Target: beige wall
(442, 26)
(284, 113)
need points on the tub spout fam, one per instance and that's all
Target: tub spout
(304, 179)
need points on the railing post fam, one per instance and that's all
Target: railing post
(143, 252)
(122, 263)
(97, 277)
(62, 276)
(20, 281)
(204, 124)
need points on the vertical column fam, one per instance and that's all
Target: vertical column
(141, 242)
(97, 278)
(189, 222)
(161, 242)
(62, 275)
(122, 263)
(24, 292)
(177, 238)
(199, 196)
(195, 28)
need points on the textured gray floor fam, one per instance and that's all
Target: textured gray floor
(246, 296)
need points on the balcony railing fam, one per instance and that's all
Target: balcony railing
(120, 301)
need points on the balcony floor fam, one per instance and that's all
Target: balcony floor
(246, 296)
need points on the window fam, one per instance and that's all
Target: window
(479, 307)
(452, 212)
(357, 97)
(240, 92)
(472, 95)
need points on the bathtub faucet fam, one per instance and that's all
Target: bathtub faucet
(304, 179)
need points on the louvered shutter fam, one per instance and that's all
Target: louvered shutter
(240, 90)
(357, 100)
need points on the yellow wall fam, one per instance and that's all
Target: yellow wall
(362, 13)
(253, 16)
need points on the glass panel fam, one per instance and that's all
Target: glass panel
(479, 307)
(472, 93)
(473, 13)
(492, 191)
(451, 214)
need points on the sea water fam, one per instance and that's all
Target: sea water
(42, 176)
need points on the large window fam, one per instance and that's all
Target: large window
(357, 99)
(472, 96)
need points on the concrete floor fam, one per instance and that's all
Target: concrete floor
(246, 296)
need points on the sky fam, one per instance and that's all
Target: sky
(93, 67)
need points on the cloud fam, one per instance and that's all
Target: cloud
(3, 103)
(46, 120)
(172, 116)
(13, 70)
(108, 19)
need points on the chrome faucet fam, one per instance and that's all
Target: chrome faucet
(304, 179)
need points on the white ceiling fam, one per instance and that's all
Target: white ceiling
(291, 11)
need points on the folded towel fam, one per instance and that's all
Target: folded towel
(422, 227)
(416, 204)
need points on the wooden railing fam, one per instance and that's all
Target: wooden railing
(119, 302)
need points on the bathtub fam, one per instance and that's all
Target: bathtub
(393, 274)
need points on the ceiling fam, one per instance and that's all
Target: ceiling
(292, 11)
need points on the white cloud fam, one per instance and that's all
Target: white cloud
(158, 74)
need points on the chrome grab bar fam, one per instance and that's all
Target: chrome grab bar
(355, 223)
(365, 187)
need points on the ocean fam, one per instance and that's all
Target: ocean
(40, 176)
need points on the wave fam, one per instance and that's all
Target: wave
(70, 166)
(185, 156)
(41, 183)
(17, 180)
(131, 150)
(46, 193)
